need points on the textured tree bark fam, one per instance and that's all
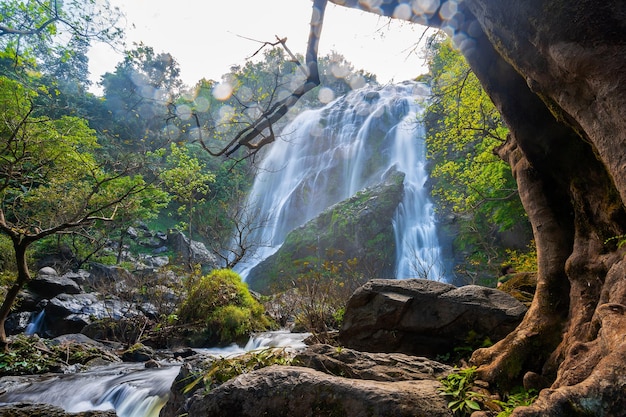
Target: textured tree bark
(557, 72)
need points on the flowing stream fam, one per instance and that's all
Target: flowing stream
(131, 389)
(331, 153)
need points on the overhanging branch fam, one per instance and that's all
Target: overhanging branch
(253, 137)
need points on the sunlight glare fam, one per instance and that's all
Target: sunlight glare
(184, 111)
(326, 95)
(222, 91)
(202, 104)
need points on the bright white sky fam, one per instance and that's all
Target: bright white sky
(206, 37)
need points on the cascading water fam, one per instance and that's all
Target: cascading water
(331, 153)
(130, 389)
(418, 251)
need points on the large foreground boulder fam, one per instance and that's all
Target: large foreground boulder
(303, 392)
(328, 381)
(423, 317)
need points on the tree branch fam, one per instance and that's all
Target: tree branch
(249, 137)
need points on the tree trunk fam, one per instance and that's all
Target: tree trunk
(23, 276)
(557, 72)
(573, 61)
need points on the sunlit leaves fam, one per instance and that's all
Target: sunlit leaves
(463, 128)
(49, 176)
(35, 27)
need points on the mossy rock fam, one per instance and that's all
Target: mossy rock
(522, 286)
(359, 227)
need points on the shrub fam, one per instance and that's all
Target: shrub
(223, 306)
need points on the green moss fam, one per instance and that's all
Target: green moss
(222, 303)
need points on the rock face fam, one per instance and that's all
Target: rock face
(359, 227)
(422, 317)
(353, 364)
(54, 305)
(305, 392)
(342, 383)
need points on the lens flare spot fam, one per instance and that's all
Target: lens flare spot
(222, 91)
(202, 104)
(184, 112)
(425, 6)
(448, 10)
(253, 112)
(326, 95)
(340, 71)
(244, 93)
(403, 11)
(171, 132)
(226, 113)
(357, 82)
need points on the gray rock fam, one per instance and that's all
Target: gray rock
(190, 249)
(422, 317)
(374, 366)
(298, 392)
(50, 285)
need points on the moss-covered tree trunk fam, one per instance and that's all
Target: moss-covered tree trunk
(557, 72)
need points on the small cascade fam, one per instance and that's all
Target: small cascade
(333, 152)
(274, 339)
(36, 324)
(131, 389)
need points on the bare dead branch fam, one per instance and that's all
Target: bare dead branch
(249, 137)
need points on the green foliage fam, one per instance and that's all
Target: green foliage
(32, 355)
(26, 357)
(456, 388)
(472, 342)
(41, 29)
(517, 398)
(223, 369)
(224, 307)
(619, 241)
(524, 261)
(463, 128)
(187, 182)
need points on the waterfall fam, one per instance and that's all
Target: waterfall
(418, 251)
(36, 323)
(330, 153)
